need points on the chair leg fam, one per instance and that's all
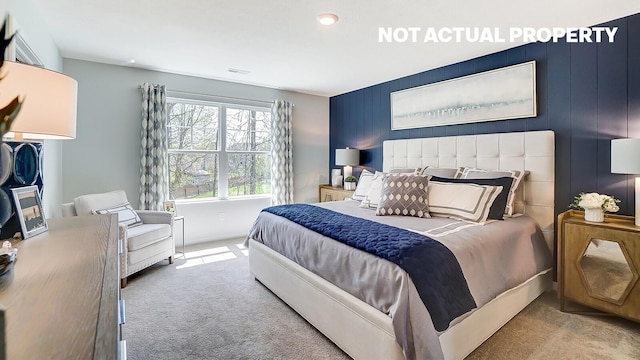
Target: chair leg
(171, 259)
(123, 283)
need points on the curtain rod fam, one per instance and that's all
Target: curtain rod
(215, 96)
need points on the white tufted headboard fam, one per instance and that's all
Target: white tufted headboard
(533, 151)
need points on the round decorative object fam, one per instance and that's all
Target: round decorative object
(6, 208)
(6, 165)
(594, 214)
(26, 164)
(349, 186)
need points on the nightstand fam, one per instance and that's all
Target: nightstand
(330, 193)
(599, 263)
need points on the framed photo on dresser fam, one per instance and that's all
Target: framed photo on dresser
(29, 211)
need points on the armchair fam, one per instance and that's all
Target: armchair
(146, 235)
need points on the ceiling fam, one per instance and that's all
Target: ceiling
(283, 46)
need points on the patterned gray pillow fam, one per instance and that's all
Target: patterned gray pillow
(404, 195)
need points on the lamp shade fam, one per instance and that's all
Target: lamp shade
(625, 156)
(49, 98)
(349, 157)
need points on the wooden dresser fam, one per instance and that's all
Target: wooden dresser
(599, 263)
(329, 193)
(61, 298)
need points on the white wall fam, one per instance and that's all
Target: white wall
(106, 152)
(28, 22)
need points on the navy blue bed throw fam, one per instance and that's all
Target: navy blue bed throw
(433, 268)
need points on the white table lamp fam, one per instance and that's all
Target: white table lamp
(49, 102)
(348, 158)
(625, 159)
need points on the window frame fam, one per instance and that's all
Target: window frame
(222, 152)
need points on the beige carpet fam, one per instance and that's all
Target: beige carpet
(542, 331)
(207, 307)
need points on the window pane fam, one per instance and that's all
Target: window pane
(248, 130)
(193, 175)
(249, 174)
(192, 126)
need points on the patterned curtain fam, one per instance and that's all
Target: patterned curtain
(153, 152)
(281, 153)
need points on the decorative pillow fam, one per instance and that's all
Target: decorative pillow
(362, 189)
(470, 202)
(415, 171)
(126, 215)
(440, 172)
(497, 210)
(404, 195)
(517, 175)
(375, 190)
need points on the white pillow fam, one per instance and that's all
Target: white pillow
(126, 215)
(470, 202)
(440, 172)
(375, 191)
(364, 183)
(515, 193)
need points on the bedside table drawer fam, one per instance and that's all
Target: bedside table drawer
(329, 193)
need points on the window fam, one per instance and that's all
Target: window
(218, 150)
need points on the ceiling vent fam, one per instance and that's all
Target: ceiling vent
(238, 71)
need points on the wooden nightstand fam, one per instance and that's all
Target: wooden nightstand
(599, 263)
(330, 193)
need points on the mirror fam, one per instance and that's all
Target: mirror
(606, 271)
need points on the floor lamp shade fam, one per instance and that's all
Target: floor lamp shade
(348, 158)
(625, 159)
(49, 105)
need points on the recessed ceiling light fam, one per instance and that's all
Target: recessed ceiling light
(132, 61)
(327, 19)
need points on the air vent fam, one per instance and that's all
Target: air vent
(238, 71)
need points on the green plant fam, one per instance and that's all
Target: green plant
(350, 179)
(9, 112)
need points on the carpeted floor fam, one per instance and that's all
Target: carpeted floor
(206, 306)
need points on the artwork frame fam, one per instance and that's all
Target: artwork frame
(170, 206)
(29, 210)
(500, 94)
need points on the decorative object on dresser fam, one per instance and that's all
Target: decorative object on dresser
(599, 263)
(29, 209)
(170, 206)
(625, 159)
(10, 110)
(336, 178)
(327, 192)
(347, 157)
(595, 205)
(350, 183)
(62, 297)
(147, 235)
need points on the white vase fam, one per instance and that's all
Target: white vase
(349, 185)
(594, 214)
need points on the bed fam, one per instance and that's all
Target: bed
(363, 327)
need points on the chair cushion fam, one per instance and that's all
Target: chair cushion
(85, 204)
(146, 234)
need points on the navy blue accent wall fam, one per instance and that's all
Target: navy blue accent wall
(587, 94)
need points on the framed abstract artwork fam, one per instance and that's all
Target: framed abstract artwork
(500, 94)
